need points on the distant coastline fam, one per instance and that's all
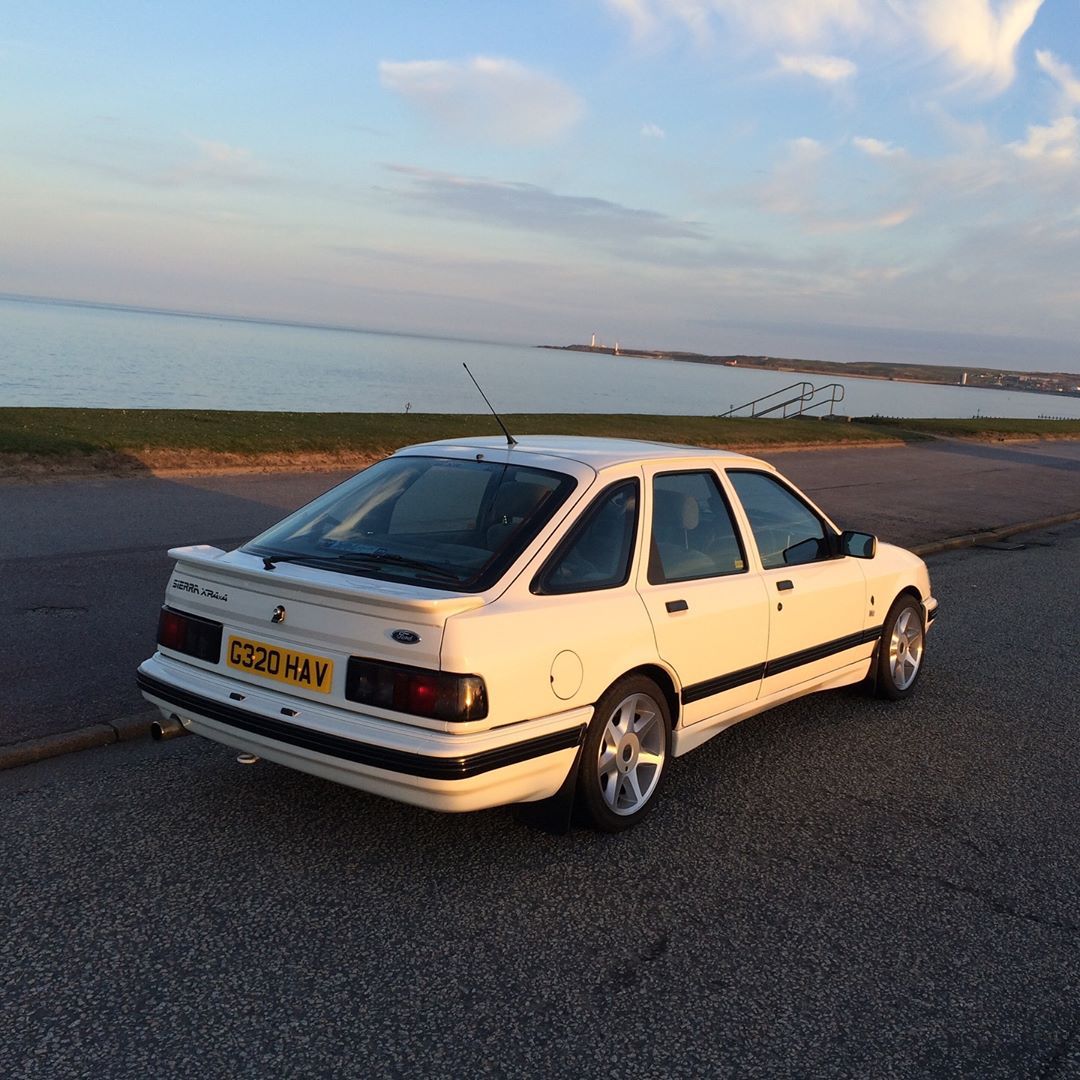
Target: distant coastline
(1052, 383)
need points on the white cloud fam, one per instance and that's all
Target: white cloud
(825, 225)
(653, 131)
(876, 148)
(891, 218)
(486, 97)
(1057, 142)
(978, 38)
(1063, 75)
(789, 190)
(830, 69)
(801, 21)
(219, 163)
(803, 186)
(796, 20)
(638, 13)
(804, 149)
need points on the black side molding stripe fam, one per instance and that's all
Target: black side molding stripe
(717, 685)
(378, 757)
(820, 652)
(705, 689)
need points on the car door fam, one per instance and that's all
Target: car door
(817, 601)
(708, 608)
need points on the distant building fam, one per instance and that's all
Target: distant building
(592, 344)
(963, 379)
(616, 348)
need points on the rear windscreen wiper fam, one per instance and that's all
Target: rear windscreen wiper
(397, 560)
(270, 561)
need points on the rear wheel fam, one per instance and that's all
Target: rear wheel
(900, 651)
(625, 754)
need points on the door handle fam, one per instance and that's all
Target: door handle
(676, 605)
(785, 585)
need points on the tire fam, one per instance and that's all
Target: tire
(901, 650)
(625, 754)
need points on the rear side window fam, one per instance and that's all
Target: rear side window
(786, 530)
(597, 552)
(693, 534)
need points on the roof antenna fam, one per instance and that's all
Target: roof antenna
(510, 440)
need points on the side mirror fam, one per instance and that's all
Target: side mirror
(858, 545)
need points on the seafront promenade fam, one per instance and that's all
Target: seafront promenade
(83, 562)
(822, 884)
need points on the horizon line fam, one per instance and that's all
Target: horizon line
(139, 309)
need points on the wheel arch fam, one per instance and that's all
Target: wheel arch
(666, 683)
(907, 590)
(913, 592)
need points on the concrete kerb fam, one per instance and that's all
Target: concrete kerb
(955, 543)
(123, 729)
(137, 725)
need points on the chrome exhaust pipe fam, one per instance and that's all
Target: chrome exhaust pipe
(160, 730)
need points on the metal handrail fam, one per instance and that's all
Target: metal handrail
(835, 397)
(806, 393)
(804, 401)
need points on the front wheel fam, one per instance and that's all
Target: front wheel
(625, 754)
(900, 652)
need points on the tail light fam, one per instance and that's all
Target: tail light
(189, 634)
(434, 694)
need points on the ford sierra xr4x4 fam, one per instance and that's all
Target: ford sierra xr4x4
(470, 623)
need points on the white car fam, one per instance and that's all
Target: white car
(469, 623)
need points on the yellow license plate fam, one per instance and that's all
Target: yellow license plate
(284, 665)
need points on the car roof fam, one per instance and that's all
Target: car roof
(598, 453)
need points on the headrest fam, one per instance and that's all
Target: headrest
(675, 508)
(517, 500)
(691, 514)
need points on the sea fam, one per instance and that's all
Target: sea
(69, 354)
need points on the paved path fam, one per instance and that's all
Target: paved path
(840, 888)
(83, 565)
(928, 491)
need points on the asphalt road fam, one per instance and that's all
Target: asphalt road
(83, 568)
(841, 888)
(83, 565)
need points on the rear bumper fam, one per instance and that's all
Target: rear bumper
(518, 763)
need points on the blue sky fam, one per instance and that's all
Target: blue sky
(879, 179)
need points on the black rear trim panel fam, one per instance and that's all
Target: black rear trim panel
(378, 757)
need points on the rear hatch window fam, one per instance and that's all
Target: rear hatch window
(443, 523)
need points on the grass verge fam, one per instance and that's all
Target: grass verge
(73, 432)
(81, 440)
(983, 427)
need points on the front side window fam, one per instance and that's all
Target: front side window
(693, 534)
(597, 552)
(786, 530)
(444, 523)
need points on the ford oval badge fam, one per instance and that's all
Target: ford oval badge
(406, 637)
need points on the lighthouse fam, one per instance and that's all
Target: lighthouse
(592, 343)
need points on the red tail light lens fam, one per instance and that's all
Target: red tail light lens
(434, 694)
(189, 634)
